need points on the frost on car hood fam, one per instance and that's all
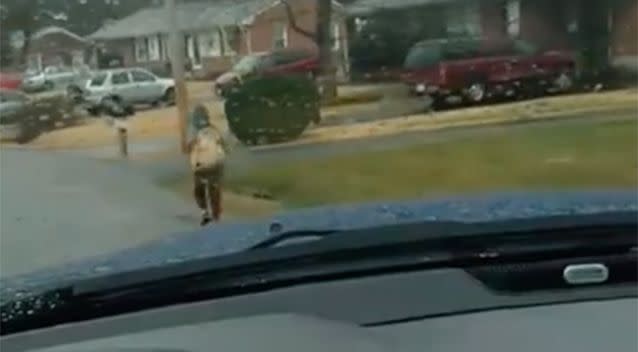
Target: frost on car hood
(226, 238)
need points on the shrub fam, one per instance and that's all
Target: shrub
(272, 109)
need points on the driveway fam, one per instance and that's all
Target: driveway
(57, 207)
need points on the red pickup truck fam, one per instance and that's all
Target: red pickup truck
(476, 69)
(279, 62)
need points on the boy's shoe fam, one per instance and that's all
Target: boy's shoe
(206, 218)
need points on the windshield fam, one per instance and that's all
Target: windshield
(247, 64)
(423, 55)
(98, 80)
(140, 145)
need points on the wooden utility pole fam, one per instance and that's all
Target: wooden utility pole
(176, 52)
(327, 79)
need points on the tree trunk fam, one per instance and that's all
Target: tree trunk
(327, 72)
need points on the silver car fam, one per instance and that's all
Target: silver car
(128, 86)
(54, 77)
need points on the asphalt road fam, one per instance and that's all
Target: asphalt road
(54, 208)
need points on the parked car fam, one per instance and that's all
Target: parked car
(279, 62)
(127, 87)
(23, 117)
(54, 77)
(10, 81)
(476, 69)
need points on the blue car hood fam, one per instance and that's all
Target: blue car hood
(226, 238)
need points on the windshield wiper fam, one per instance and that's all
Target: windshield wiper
(424, 245)
(293, 237)
(304, 236)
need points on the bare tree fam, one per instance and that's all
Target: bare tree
(322, 36)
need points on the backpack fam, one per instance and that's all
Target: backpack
(208, 150)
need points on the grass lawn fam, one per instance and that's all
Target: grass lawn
(571, 156)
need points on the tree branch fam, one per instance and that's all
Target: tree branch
(293, 22)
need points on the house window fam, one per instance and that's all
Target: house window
(513, 17)
(360, 24)
(141, 50)
(230, 41)
(336, 36)
(192, 50)
(280, 35)
(153, 48)
(34, 62)
(163, 40)
(463, 19)
(77, 58)
(148, 49)
(210, 44)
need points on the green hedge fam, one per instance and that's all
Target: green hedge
(272, 109)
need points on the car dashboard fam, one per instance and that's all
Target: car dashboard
(445, 310)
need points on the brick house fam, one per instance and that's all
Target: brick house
(606, 28)
(56, 46)
(217, 33)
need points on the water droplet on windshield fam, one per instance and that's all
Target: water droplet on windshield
(30, 312)
(19, 294)
(275, 227)
(102, 269)
(174, 260)
(403, 213)
(38, 303)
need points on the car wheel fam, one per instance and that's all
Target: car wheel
(169, 97)
(48, 85)
(564, 82)
(476, 92)
(113, 106)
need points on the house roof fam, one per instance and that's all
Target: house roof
(366, 7)
(57, 30)
(190, 17)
